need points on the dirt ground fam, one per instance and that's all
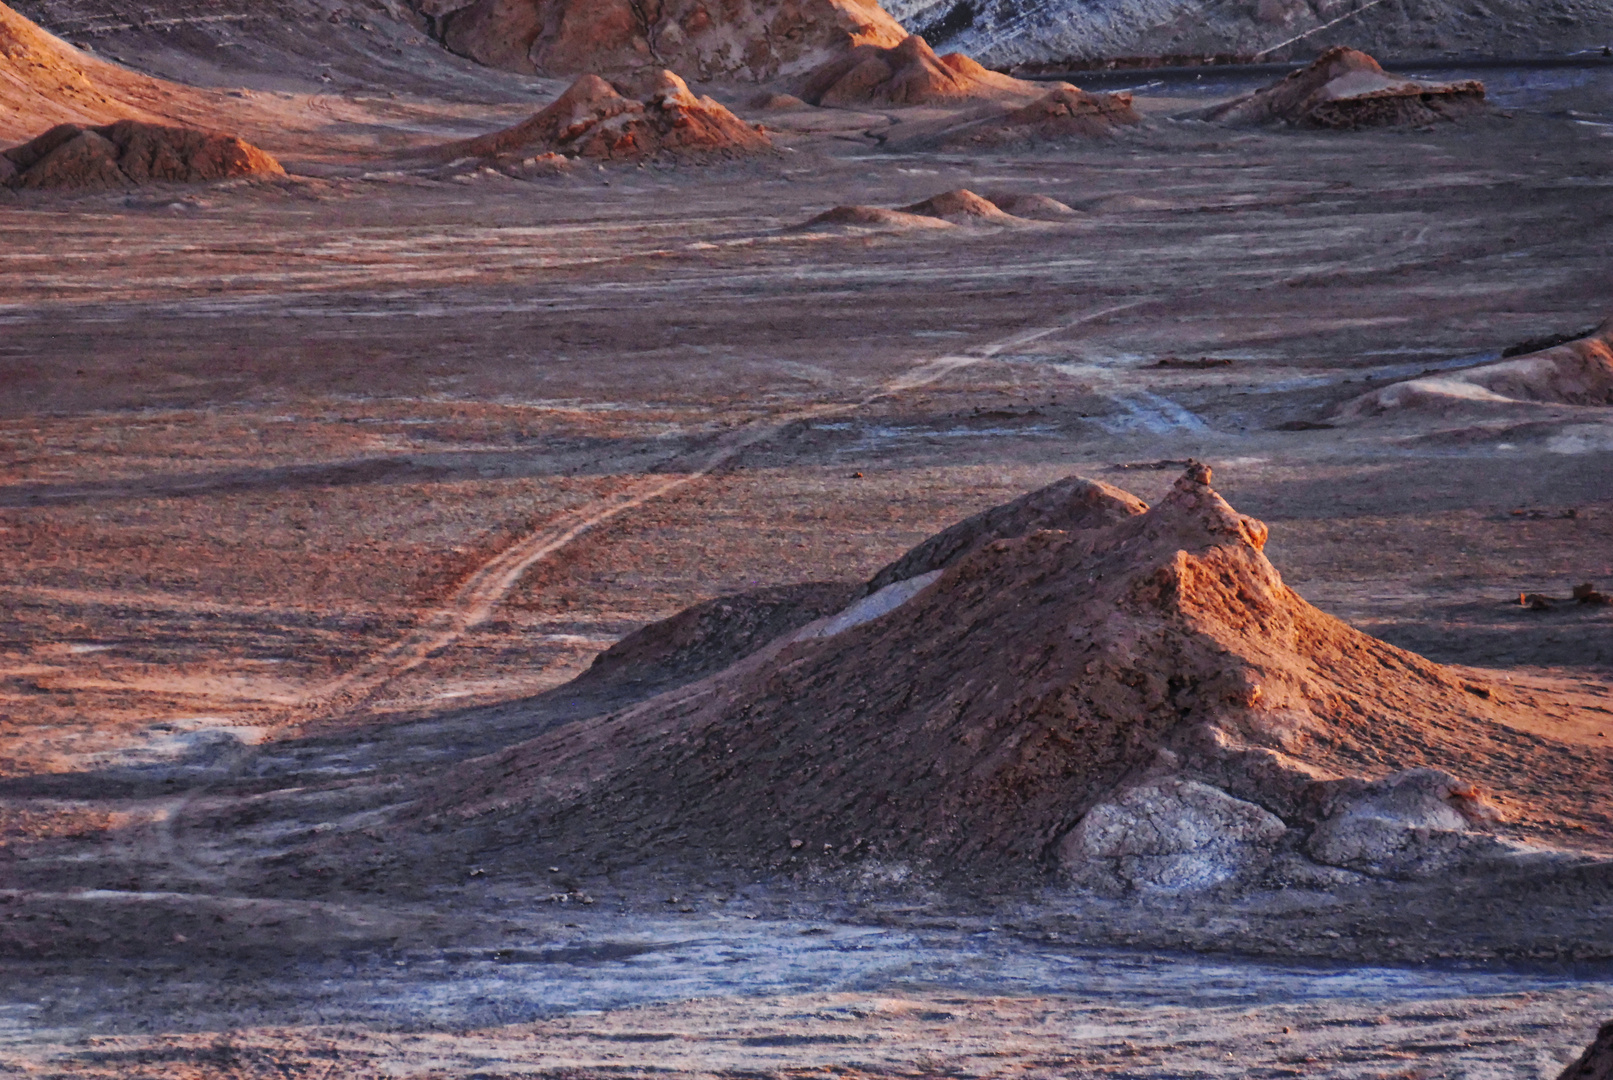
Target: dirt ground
(311, 489)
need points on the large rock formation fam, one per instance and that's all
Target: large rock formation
(740, 39)
(594, 119)
(1345, 88)
(130, 152)
(1131, 699)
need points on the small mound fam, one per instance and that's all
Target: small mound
(908, 74)
(868, 219)
(594, 119)
(1132, 702)
(961, 207)
(1345, 88)
(128, 153)
(1575, 373)
(777, 102)
(1596, 1063)
(1033, 207)
(1066, 113)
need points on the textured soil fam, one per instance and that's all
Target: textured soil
(314, 491)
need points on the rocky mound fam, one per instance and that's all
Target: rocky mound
(1134, 701)
(1575, 373)
(961, 207)
(1596, 1063)
(908, 74)
(958, 207)
(737, 39)
(130, 152)
(1033, 207)
(594, 119)
(1066, 113)
(1345, 88)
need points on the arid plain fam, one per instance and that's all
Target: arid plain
(316, 488)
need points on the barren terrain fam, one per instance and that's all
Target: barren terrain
(313, 489)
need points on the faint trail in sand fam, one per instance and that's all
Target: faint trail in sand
(480, 594)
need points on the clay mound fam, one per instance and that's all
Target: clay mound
(1576, 373)
(594, 119)
(961, 207)
(856, 219)
(130, 152)
(1140, 705)
(1065, 113)
(908, 74)
(738, 39)
(1033, 207)
(1596, 1063)
(1345, 88)
(708, 637)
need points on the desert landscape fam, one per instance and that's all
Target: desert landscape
(804, 539)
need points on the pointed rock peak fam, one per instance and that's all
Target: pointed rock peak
(1193, 504)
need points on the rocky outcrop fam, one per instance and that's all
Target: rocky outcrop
(130, 152)
(1346, 88)
(1133, 701)
(733, 39)
(597, 120)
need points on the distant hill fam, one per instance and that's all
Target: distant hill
(1004, 32)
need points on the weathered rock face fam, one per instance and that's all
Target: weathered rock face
(1169, 835)
(1134, 701)
(908, 74)
(1596, 1063)
(1345, 88)
(735, 39)
(594, 119)
(130, 152)
(1578, 372)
